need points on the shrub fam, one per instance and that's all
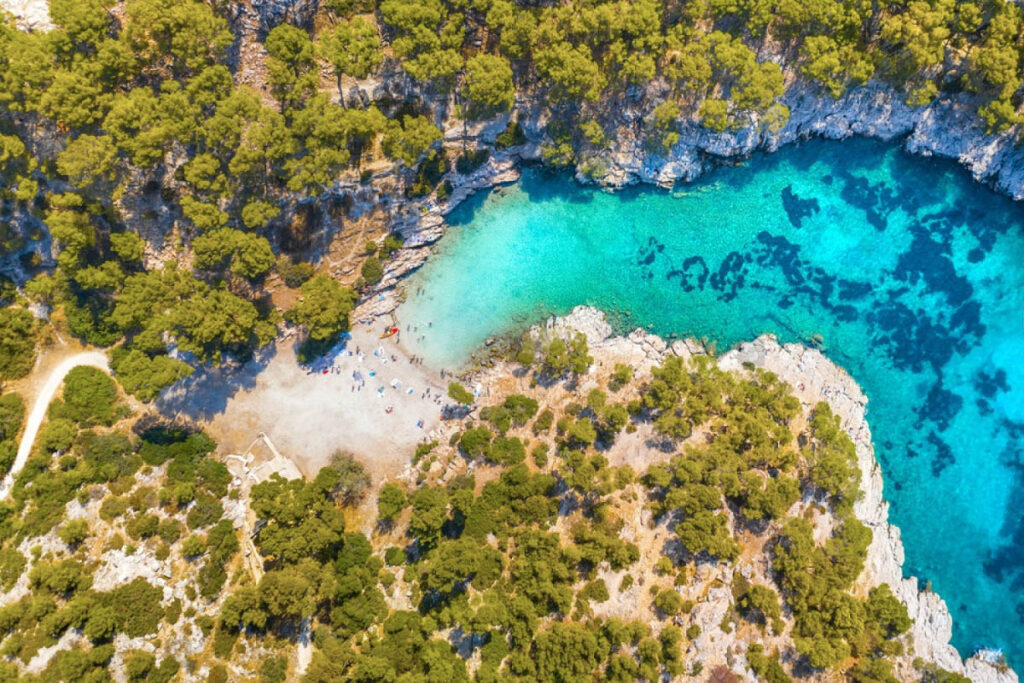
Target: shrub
(294, 273)
(476, 442)
(12, 412)
(459, 394)
(12, 564)
(58, 435)
(274, 670)
(521, 408)
(206, 511)
(138, 664)
(218, 674)
(109, 456)
(561, 356)
(89, 398)
(74, 532)
(394, 556)
(507, 451)
(143, 526)
(353, 479)
(423, 449)
(669, 602)
(135, 607)
(581, 432)
(112, 508)
(143, 376)
(213, 476)
(499, 416)
(222, 542)
(193, 546)
(165, 671)
(61, 577)
(705, 532)
(390, 502)
(372, 270)
(620, 376)
(542, 425)
(173, 611)
(429, 513)
(392, 243)
(211, 578)
(761, 604)
(17, 342)
(596, 591)
(766, 667)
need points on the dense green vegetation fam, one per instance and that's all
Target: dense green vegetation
(116, 127)
(124, 95)
(17, 347)
(143, 487)
(523, 537)
(177, 201)
(12, 412)
(510, 555)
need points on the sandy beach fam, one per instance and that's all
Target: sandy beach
(365, 397)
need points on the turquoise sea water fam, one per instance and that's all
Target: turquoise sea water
(912, 273)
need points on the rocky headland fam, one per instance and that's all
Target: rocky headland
(813, 378)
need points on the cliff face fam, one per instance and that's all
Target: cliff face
(814, 378)
(949, 128)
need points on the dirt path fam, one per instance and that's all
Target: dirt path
(35, 418)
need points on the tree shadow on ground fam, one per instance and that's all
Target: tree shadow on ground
(206, 392)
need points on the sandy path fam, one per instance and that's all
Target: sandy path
(35, 418)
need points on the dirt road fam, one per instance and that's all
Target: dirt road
(35, 418)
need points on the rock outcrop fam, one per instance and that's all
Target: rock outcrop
(274, 12)
(29, 15)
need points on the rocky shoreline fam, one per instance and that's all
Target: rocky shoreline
(815, 378)
(948, 128)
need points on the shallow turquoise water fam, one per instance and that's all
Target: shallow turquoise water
(912, 273)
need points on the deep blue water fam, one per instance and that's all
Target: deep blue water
(912, 273)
